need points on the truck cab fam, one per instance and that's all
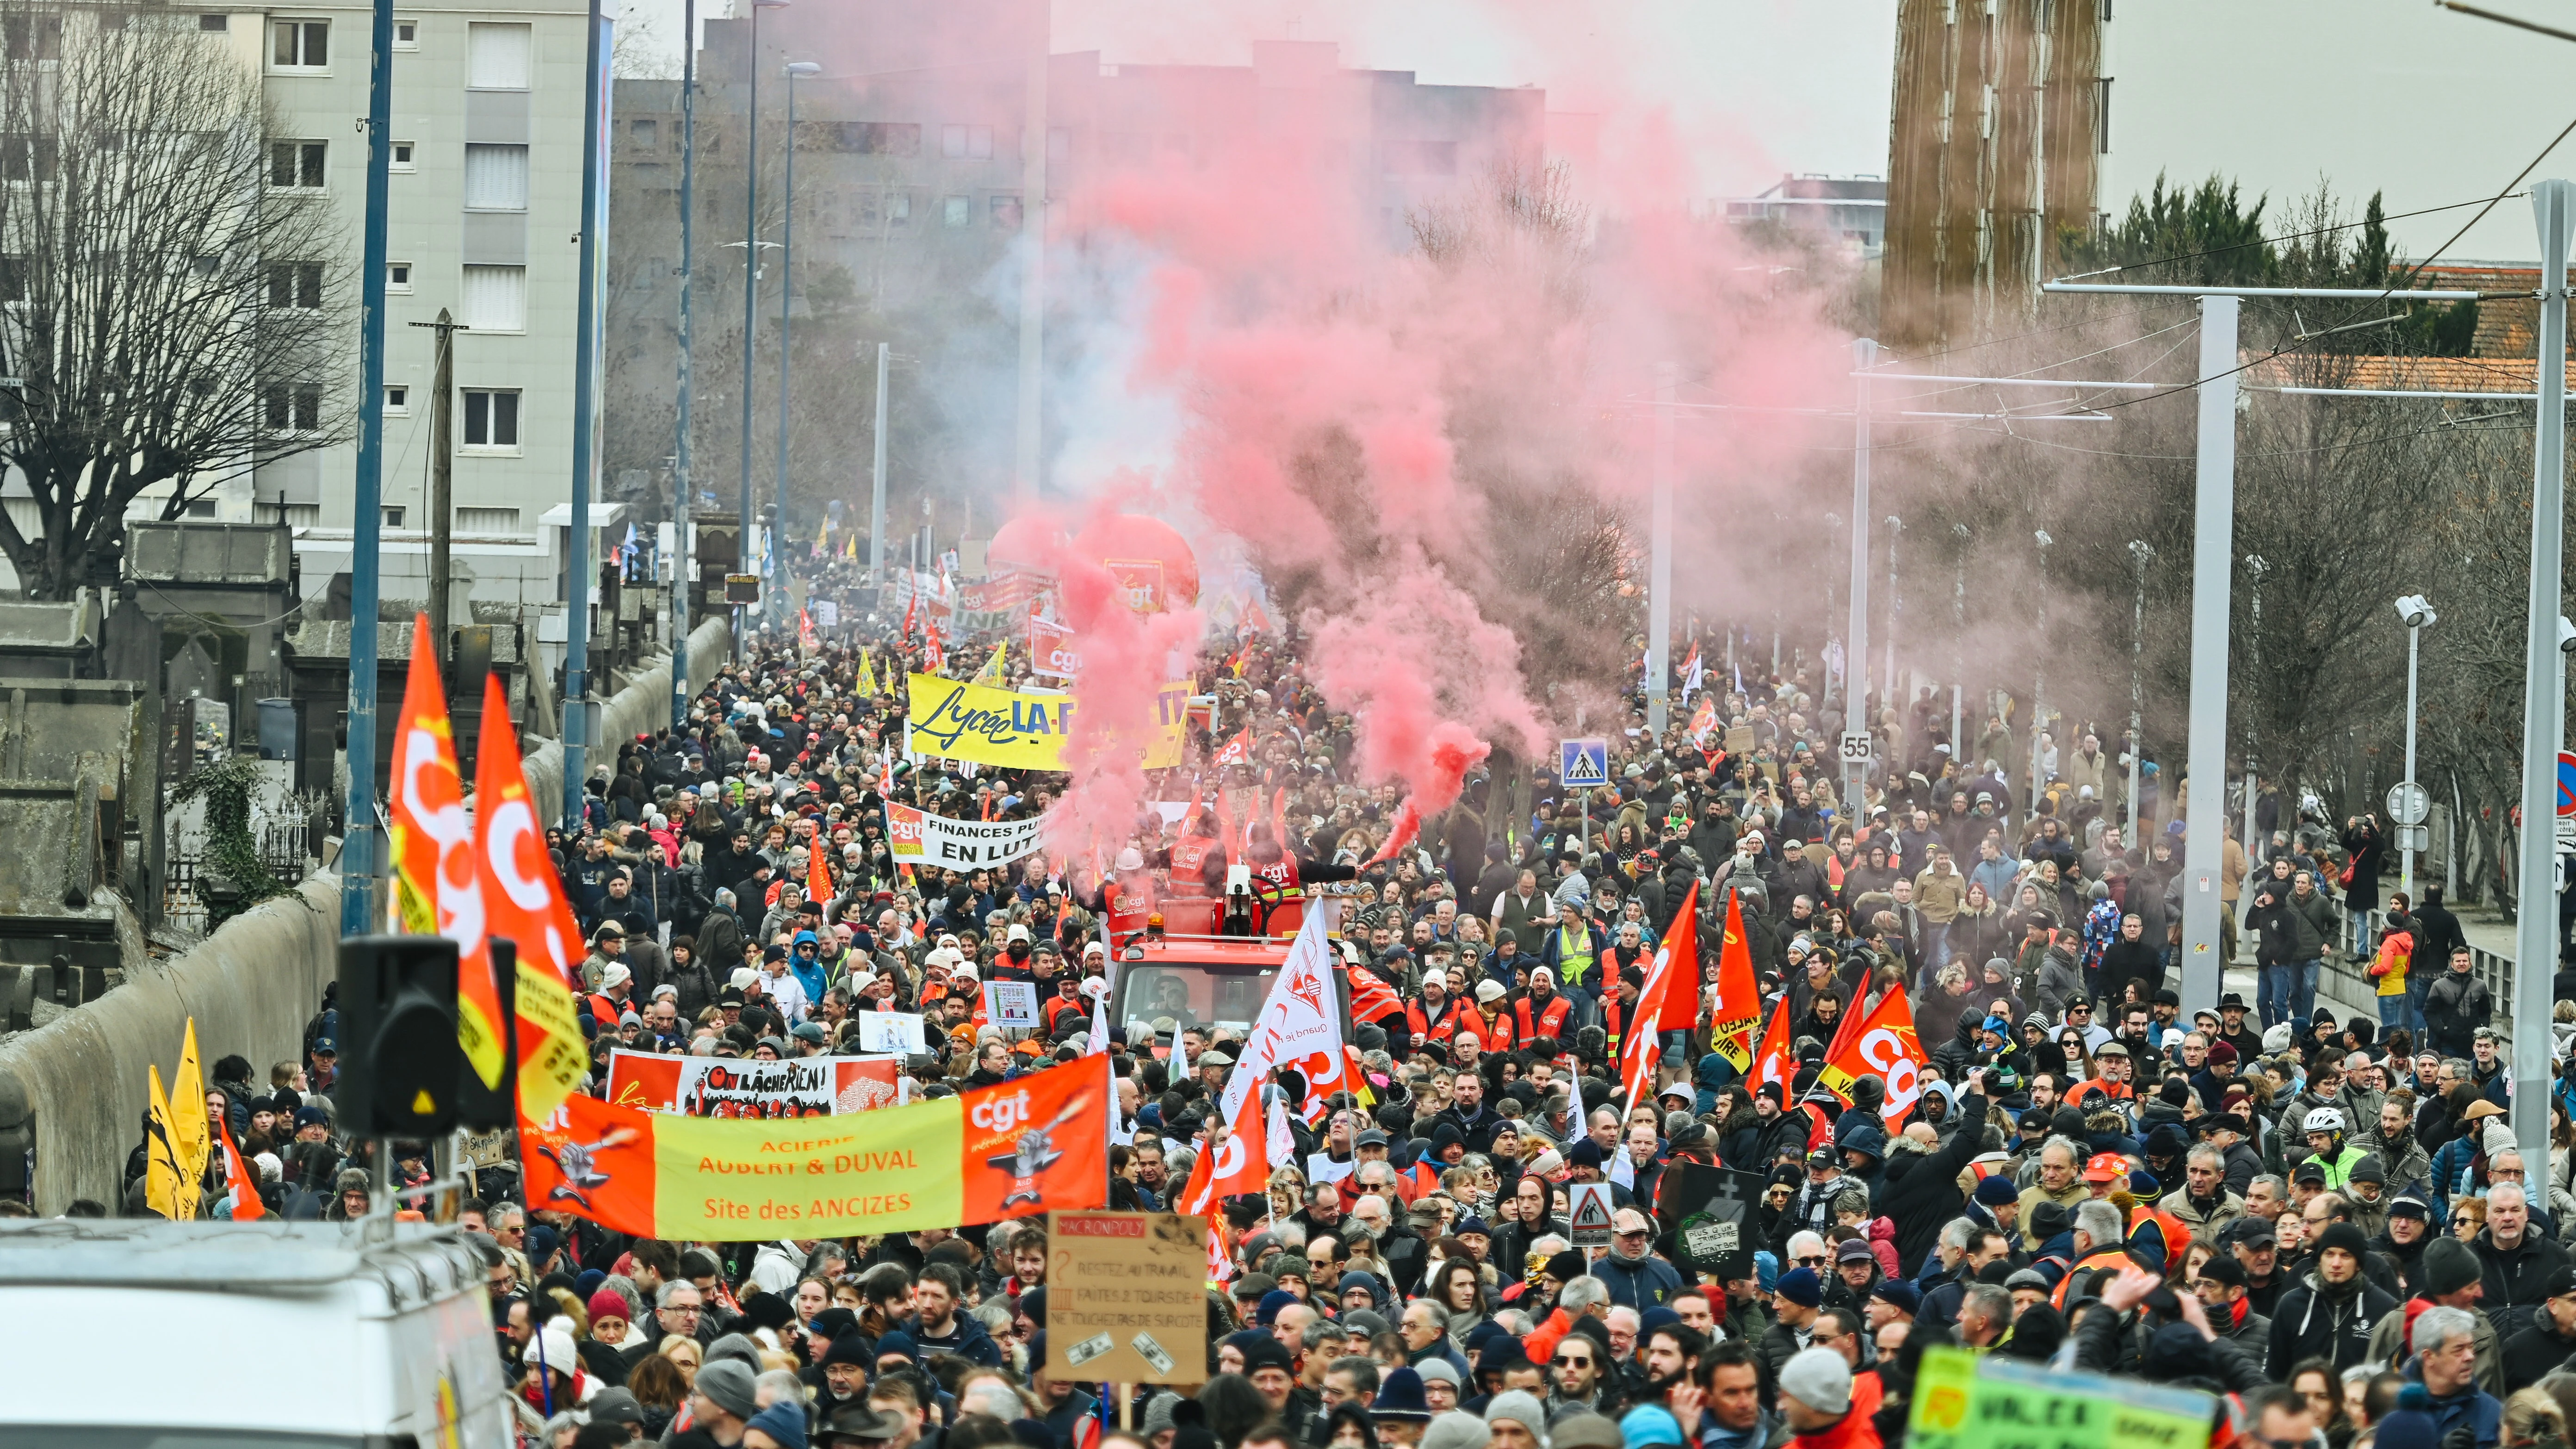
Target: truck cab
(1195, 963)
(387, 1326)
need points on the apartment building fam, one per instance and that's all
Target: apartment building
(486, 199)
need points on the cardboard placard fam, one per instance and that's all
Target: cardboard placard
(891, 1031)
(1011, 1005)
(1588, 1214)
(1129, 1298)
(1708, 1213)
(1965, 1401)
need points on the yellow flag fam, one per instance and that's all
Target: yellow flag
(165, 1188)
(991, 673)
(867, 674)
(190, 1138)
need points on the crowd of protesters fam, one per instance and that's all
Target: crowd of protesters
(2326, 1225)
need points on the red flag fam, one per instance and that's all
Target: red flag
(818, 871)
(1233, 752)
(911, 606)
(934, 656)
(247, 1208)
(1847, 1026)
(523, 904)
(1739, 996)
(1885, 1047)
(1773, 1063)
(1670, 1001)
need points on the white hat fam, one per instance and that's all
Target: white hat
(946, 958)
(554, 1348)
(1018, 933)
(1094, 949)
(1489, 992)
(615, 975)
(744, 978)
(862, 980)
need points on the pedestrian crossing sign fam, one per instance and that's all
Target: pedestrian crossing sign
(1583, 764)
(1590, 1223)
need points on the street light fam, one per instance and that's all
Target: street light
(2140, 554)
(1892, 696)
(750, 285)
(1959, 653)
(796, 70)
(2039, 675)
(2417, 614)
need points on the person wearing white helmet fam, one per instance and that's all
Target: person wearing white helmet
(2328, 1147)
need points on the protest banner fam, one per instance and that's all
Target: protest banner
(1006, 1151)
(917, 837)
(1708, 1211)
(1968, 1401)
(733, 1087)
(1129, 1304)
(1022, 729)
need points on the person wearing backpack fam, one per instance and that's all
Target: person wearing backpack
(2389, 968)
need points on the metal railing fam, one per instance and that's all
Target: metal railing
(2491, 967)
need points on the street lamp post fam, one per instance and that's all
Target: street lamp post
(1959, 654)
(683, 563)
(750, 291)
(796, 70)
(2256, 566)
(1892, 693)
(2140, 554)
(2039, 678)
(2418, 614)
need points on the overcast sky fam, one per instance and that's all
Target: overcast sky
(1755, 87)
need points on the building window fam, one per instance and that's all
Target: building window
(393, 515)
(200, 508)
(26, 159)
(877, 138)
(957, 211)
(214, 24)
(898, 208)
(13, 279)
(492, 419)
(33, 37)
(1421, 158)
(1006, 213)
(2102, 113)
(293, 407)
(301, 45)
(397, 400)
(401, 159)
(496, 178)
(487, 520)
(496, 57)
(295, 284)
(495, 299)
(646, 133)
(297, 165)
(397, 276)
(966, 143)
(406, 35)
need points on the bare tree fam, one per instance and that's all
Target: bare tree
(170, 289)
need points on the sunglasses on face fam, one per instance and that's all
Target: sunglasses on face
(1815, 1261)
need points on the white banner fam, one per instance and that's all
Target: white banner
(921, 837)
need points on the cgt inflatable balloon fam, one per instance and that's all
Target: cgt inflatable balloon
(1150, 560)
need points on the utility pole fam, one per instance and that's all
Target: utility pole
(2039, 681)
(876, 505)
(359, 866)
(2213, 565)
(1856, 636)
(2544, 680)
(796, 70)
(750, 298)
(1959, 655)
(683, 492)
(442, 496)
(1892, 692)
(585, 427)
(2256, 566)
(1659, 578)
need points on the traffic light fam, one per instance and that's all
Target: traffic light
(399, 1061)
(481, 1108)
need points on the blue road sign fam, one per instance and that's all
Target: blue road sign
(1583, 764)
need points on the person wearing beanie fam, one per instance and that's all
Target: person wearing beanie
(1517, 1420)
(2224, 1296)
(2447, 1275)
(2331, 1315)
(723, 1398)
(2404, 1233)
(2548, 1341)
(843, 1373)
(1647, 1424)
(1400, 1398)
(1452, 1430)
(2410, 1424)
(780, 1426)
(1816, 1399)
(1796, 1300)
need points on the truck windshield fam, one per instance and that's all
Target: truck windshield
(1196, 995)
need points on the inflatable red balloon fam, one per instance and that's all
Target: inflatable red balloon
(1151, 561)
(1032, 541)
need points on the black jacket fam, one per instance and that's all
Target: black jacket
(1920, 1190)
(2310, 1323)
(2534, 1353)
(2455, 1006)
(2513, 1280)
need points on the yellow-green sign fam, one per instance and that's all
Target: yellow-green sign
(1970, 1401)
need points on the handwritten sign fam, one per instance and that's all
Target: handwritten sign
(1963, 1401)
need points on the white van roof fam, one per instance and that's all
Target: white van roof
(416, 1262)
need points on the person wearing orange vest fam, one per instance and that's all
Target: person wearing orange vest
(1541, 1012)
(1435, 1016)
(1488, 1021)
(2099, 1234)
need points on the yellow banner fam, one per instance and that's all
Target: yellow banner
(1017, 730)
(871, 1172)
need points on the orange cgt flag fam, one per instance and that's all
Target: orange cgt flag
(523, 904)
(1739, 996)
(1670, 1001)
(438, 885)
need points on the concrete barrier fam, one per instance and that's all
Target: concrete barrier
(73, 1092)
(642, 706)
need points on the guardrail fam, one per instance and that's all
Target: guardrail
(2491, 967)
